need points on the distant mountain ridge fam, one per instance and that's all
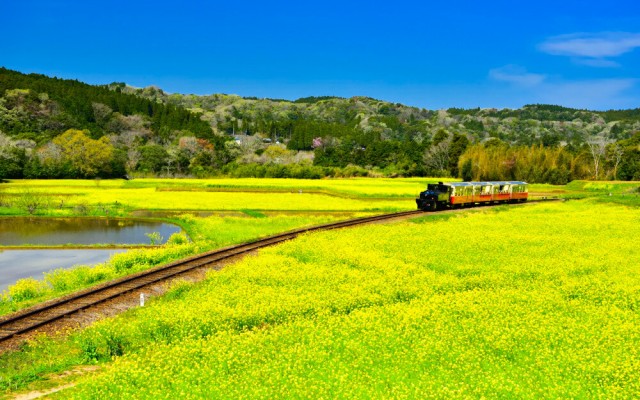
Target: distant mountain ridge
(235, 114)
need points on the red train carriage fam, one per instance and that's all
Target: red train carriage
(459, 194)
(519, 191)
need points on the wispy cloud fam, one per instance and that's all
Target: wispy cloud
(517, 75)
(596, 62)
(592, 49)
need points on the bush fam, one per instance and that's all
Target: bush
(125, 261)
(155, 238)
(26, 289)
(177, 239)
(62, 280)
(31, 202)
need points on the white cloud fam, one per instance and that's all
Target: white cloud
(516, 75)
(592, 48)
(596, 62)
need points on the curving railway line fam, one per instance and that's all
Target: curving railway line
(30, 319)
(46, 313)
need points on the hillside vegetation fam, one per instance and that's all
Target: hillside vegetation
(46, 123)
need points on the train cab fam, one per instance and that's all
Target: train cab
(461, 193)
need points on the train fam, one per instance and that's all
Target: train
(445, 195)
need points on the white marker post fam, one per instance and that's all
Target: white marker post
(141, 299)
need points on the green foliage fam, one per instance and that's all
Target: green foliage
(617, 115)
(254, 214)
(90, 158)
(153, 158)
(26, 289)
(155, 238)
(315, 99)
(474, 125)
(155, 133)
(75, 99)
(12, 162)
(32, 202)
(177, 239)
(536, 164)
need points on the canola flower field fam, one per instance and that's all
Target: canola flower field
(204, 234)
(360, 187)
(535, 301)
(240, 217)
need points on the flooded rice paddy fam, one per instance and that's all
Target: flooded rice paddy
(17, 231)
(18, 264)
(20, 231)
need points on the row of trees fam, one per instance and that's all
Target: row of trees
(597, 159)
(75, 154)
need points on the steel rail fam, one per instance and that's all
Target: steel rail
(45, 313)
(37, 316)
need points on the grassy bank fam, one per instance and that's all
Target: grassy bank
(205, 234)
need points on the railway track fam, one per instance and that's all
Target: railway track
(38, 316)
(46, 313)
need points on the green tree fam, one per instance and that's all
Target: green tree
(89, 157)
(467, 171)
(153, 158)
(12, 161)
(459, 144)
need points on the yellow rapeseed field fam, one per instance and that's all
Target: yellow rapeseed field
(214, 194)
(539, 301)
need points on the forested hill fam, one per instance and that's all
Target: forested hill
(52, 127)
(370, 120)
(539, 143)
(38, 108)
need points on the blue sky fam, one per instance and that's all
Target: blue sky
(583, 54)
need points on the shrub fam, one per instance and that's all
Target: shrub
(177, 239)
(26, 289)
(155, 238)
(31, 202)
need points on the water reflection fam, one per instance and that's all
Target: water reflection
(55, 231)
(17, 264)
